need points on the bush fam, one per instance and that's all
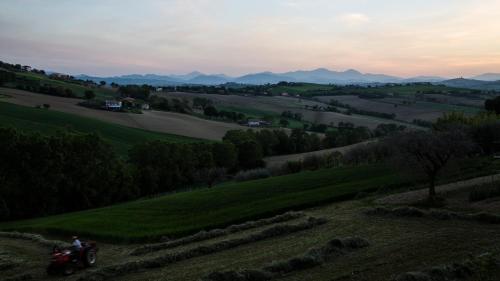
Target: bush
(254, 174)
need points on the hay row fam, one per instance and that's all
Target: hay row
(436, 214)
(205, 235)
(313, 257)
(483, 265)
(164, 260)
(7, 261)
(21, 277)
(33, 237)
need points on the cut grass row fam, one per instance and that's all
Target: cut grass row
(44, 121)
(185, 213)
(188, 212)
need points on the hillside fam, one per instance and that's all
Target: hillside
(188, 212)
(389, 246)
(158, 121)
(44, 121)
(472, 84)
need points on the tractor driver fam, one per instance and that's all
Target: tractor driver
(77, 245)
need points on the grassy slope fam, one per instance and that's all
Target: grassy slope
(79, 90)
(49, 122)
(188, 212)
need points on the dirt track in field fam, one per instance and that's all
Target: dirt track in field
(165, 122)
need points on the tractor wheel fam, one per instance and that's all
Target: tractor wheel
(69, 269)
(52, 270)
(90, 258)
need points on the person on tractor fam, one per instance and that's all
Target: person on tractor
(76, 243)
(76, 246)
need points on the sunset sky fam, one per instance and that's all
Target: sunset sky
(112, 37)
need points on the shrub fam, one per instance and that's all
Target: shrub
(259, 173)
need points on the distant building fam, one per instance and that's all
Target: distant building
(253, 123)
(284, 94)
(113, 105)
(159, 89)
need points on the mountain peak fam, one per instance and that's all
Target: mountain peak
(352, 71)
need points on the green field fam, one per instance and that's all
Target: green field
(49, 122)
(188, 212)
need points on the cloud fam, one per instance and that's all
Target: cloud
(354, 19)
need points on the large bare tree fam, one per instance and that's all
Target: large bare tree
(429, 152)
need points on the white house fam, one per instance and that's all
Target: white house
(253, 123)
(113, 105)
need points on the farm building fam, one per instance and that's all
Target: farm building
(257, 123)
(113, 105)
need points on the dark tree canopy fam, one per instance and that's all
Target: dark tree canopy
(429, 152)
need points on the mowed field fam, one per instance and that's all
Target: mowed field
(406, 112)
(397, 244)
(277, 104)
(187, 212)
(159, 121)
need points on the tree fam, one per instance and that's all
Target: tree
(210, 111)
(89, 94)
(102, 83)
(284, 123)
(429, 152)
(493, 105)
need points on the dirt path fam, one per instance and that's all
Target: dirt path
(278, 161)
(411, 197)
(165, 122)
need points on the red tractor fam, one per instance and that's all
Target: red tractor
(67, 261)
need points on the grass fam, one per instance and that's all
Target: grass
(188, 212)
(50, 122)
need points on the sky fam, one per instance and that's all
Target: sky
(448, 38)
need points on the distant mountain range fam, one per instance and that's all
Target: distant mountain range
(320, 76)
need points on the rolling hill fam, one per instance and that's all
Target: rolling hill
(44, 121)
